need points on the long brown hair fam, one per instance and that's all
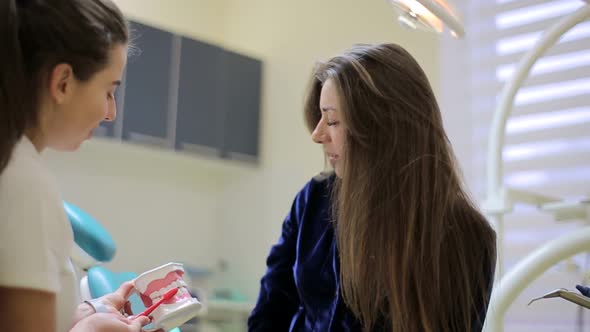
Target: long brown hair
(36, 35)
(415, 253)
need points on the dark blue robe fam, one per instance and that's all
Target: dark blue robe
(300, 290)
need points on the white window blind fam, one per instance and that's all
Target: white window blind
(547, 146)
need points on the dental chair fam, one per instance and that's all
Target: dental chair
(94, 245)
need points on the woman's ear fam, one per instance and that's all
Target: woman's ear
(61, 83)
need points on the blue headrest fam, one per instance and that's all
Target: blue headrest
(90, 235)
(102, 281)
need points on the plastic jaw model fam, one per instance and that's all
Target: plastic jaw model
(153, 284)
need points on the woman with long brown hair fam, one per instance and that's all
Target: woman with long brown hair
(390, 240)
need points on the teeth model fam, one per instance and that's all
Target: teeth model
(153, 284)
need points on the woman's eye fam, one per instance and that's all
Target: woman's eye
(110, 95)
(333, 123)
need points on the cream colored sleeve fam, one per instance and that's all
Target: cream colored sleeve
(26, 260)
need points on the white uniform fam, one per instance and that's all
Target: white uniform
(35, 235)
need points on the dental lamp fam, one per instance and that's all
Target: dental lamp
(500, 200)
(428, 15)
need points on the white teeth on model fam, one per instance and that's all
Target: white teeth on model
(179, 283)
(157, 295)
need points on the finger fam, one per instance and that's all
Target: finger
(125, 290)
(117, 316)
(123, 319)
(114, 300)
(139, 322)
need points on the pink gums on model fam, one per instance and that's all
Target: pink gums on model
(159, 284)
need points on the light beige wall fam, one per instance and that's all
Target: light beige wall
(159, 206)
(231, 212)
(201, 19)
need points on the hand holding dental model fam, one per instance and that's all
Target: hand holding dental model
(107, 315)
(110, 322)
(110, 303)
(165, 294)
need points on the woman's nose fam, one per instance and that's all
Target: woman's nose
(112, 111)
(319, 133)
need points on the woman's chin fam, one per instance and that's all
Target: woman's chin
(68, 146)
(338, 171)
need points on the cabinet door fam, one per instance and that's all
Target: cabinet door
(149, 81)
(242, 103)
(199, 124)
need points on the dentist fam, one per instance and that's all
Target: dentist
(60, 64)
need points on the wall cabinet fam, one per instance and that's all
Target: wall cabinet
(184, 94)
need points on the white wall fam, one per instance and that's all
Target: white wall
(159, 206)
(200, 211)
(201, 19)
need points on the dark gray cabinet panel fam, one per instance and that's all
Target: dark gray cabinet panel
(147, 88)
(200, 96)
(242, 103)
(188, 95)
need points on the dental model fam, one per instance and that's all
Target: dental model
(179, 309)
